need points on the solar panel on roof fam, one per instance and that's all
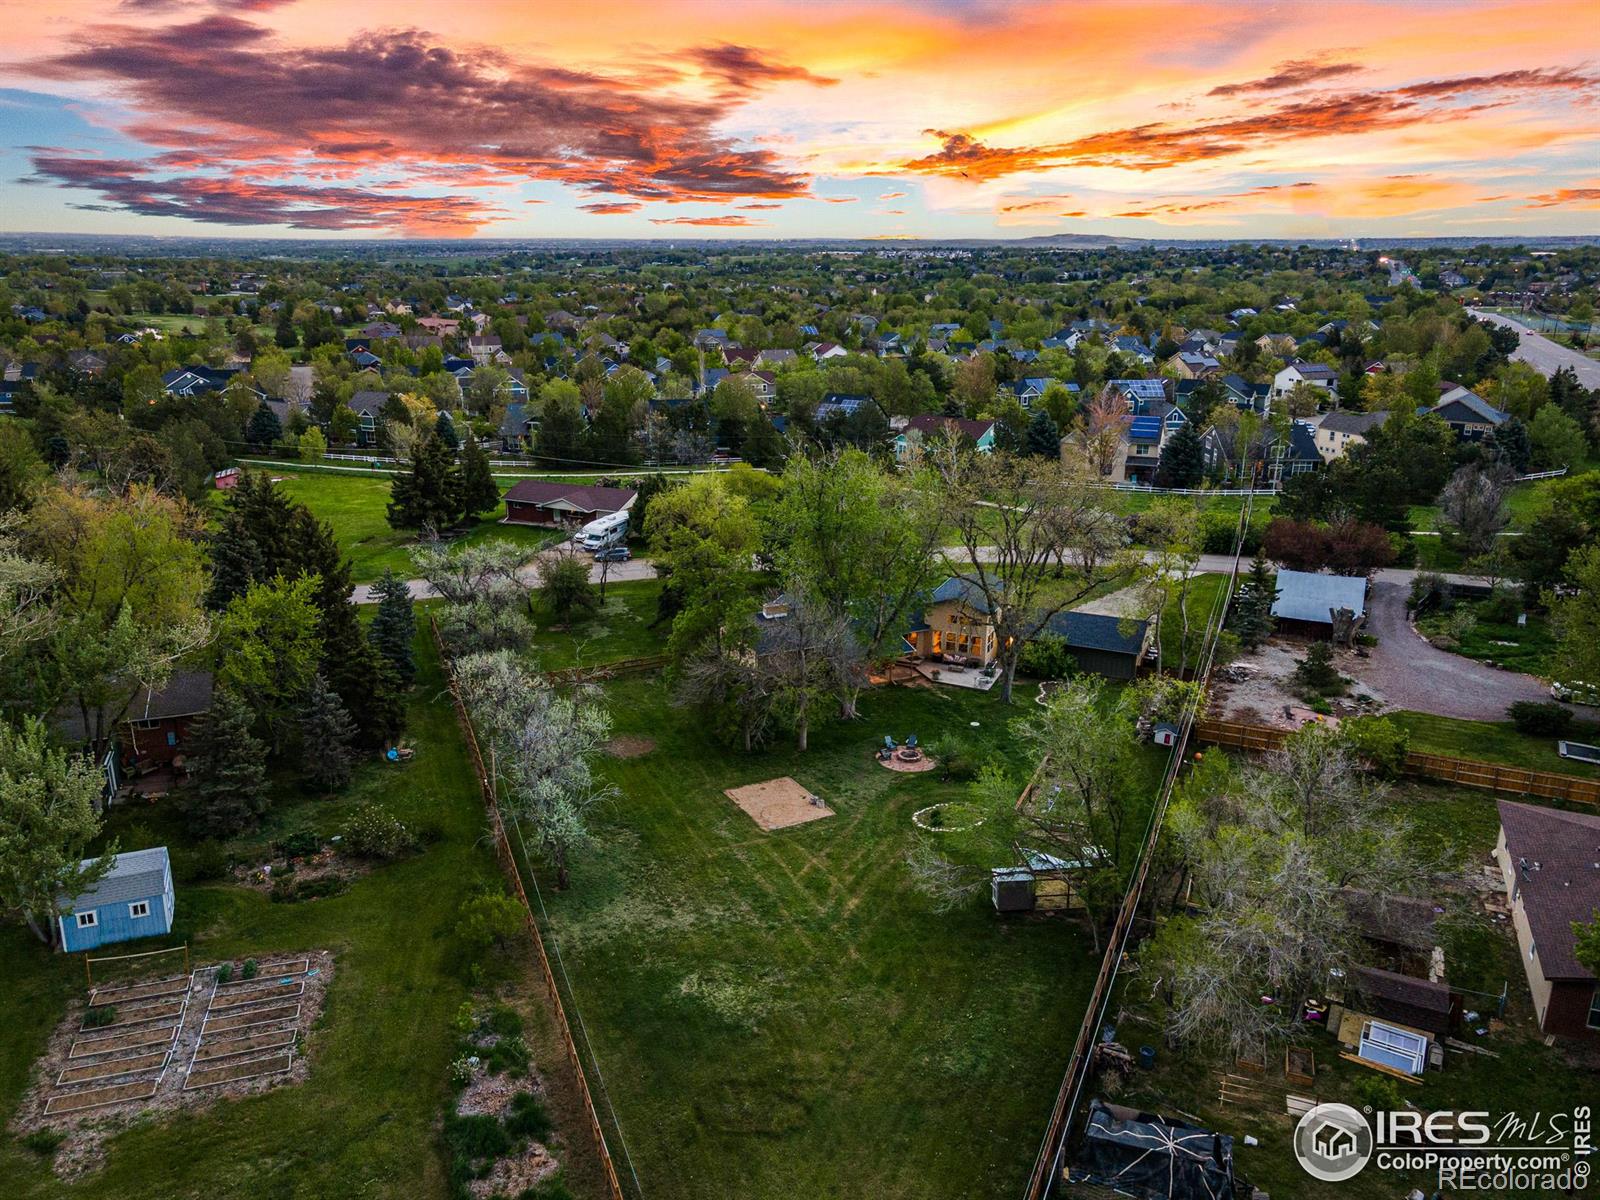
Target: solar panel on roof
(1145, 429)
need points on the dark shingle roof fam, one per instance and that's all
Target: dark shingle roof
(1560, 882)
(1099, 631)
(589, 499)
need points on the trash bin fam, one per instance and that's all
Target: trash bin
(1147, 1057)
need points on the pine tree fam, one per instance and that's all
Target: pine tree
(236, 563)
(263, 428)
(1511, 445)
(285, 335)
(428, 493)
(1251, 617)
(1183, 459)
(394, 626)
(479, 492)
(560, 431)
(445, 430)
(326, 733)
(227, 770)
(1044, 438)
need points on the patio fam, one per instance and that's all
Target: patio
(972, 678)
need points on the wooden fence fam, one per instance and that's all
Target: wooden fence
(1494, 777)
(508, 864)
(624, 666)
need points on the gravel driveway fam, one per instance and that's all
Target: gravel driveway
(1407, 672)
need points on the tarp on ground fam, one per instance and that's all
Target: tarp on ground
(1146, 1156)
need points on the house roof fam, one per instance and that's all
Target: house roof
(1353, 422)
(963, 588)
(1477, 408)
(930, 423)
(134, 875)
(1099, 631)
(1377, 984)
(1398, 920)
(1140, 389)
(1311, 370)
(187, 694)
(585, 499)
(1309, 596)
(1145, 429)
(1556, 857)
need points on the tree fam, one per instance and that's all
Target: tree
(1171, 528)
(1565, 515)
(427, 494)
(284, 335)
(227, 791)
(394, 626)
(810, 654)
(560, 422)
(267, 649)
(264, 429)
(1183, 459)
(21, 469)
(326, 733)
(545, 746)
(1251, 615)
(564, 579)
(48, 801)
(1044, 437)
(702, 538)
(444, 431)
(1557, 439)
(1576, 611)
(313, 445)
(487, 598)
(1509, 444)
(1346, 546)
(1038, 551)
(1476, 503)
(479, 492)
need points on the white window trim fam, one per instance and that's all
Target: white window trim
(87, 920)
(134, 913)
(1593, 1021)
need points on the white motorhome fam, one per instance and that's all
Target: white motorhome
(609, 530)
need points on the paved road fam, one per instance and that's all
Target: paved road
(421, 589)
(1409, 672)
(1543, 355)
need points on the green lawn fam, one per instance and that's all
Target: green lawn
(357, 508)
(778, 1014)
(1494, 742)
(1529, 648)
(624, 627)
(364, 1123)
(1204, 591)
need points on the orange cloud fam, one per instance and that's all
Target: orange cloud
(725, 220)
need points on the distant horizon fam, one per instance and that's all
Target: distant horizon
(886, 120)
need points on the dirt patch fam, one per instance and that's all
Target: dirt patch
(630, 746)
(1260, 688)
(778, 803)
(326, 872)
(89, 1084)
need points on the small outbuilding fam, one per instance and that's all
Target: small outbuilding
(133, 900)
(1104, 644)
(1309, 599)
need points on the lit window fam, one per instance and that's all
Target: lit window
(139, 908)
(88, 920)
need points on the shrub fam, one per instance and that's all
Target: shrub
(1428, 588)
(1378, 741)
(207, 861)
(1315, 673)
(475, 1142)
(1376, 1092)
(97, 1018)
(487, 919)
(44, 1142)
(374, 832)
(302, 844)
(225, 972)
(505, 1022)
(1536, 719)
(1047, 657)
(527, 1117)
(1503, 607)
(461, 1070)
(249, 971)
(509, 1056)
(465, 1021)
(936, 818)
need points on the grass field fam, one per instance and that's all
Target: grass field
(357, 508)
(1529, 648)
(779, 1014)
(1495, 742)
(364, 1123)
(624, 627)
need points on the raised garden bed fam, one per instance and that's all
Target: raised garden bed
(111, 1068)
(242, 1020)
(126, 993)
(234, 1072)
(163, 1010)
(100, 1097)
(221, 1048)
(273, 991)
(154, 1035)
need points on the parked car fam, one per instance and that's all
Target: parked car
(1575, 691)
(613, 554)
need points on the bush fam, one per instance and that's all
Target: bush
(374, 832)
(505, 1022)
(1379, 742)
(1047, 657)
(461, 1069)
(1316, 675)
(1536, 719)
(527, 1118)
(1428, 588)
(44, 1142)
(1503, 607)
(554, 1188)
(1376, 1093)
(249, 971)
(207, 861)
(955, 758)
(300, 845)
(97, 1018)
(486, 920)
(465, 1021)
(475, 1142)
(509, 1056)
(225, 972)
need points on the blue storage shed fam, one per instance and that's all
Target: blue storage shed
(133, 900)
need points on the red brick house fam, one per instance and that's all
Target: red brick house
(563, 505)
(1551, 863)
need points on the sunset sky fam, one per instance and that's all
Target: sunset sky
(863, 119)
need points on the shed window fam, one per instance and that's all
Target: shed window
(172, 738)
(1594, 1009)
(88, 920)
(139, 908)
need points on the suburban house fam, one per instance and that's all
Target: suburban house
(133, 900)
(1307, 599)
(1276, 343)
(153, 734)
(1551, 863)
(561, 505)
(1469, 415)
(1107, 645)
(516, 428)
(1187, 364)
(843, 405)
(1318, 375)
(954, 626)
(920, 428)
(1340, 431)
(368, 407)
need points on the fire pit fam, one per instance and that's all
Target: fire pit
(908, 754)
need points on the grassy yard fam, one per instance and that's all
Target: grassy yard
(364, 1123)
(779, 1014)
(1528, 648)
(1204, 591)
(1494, 742)
(624, 627)
(357, 508)
(1527, 1077)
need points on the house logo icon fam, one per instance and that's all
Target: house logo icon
(1333, 1142)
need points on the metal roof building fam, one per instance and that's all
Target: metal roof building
(1310, 596)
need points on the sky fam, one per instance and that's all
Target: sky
(743, 118)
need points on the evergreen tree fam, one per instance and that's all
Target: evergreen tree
(1183, 459)
(479, 492)
(263, 429)
(428, 493)
(227, 770)
(285, 335)
(236, 562)
(1044, 436)
(326, 733)
(1511, 445)
(394, 626)
(763, 444)
(560, 429)
(445, 430)
(1251, 616)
